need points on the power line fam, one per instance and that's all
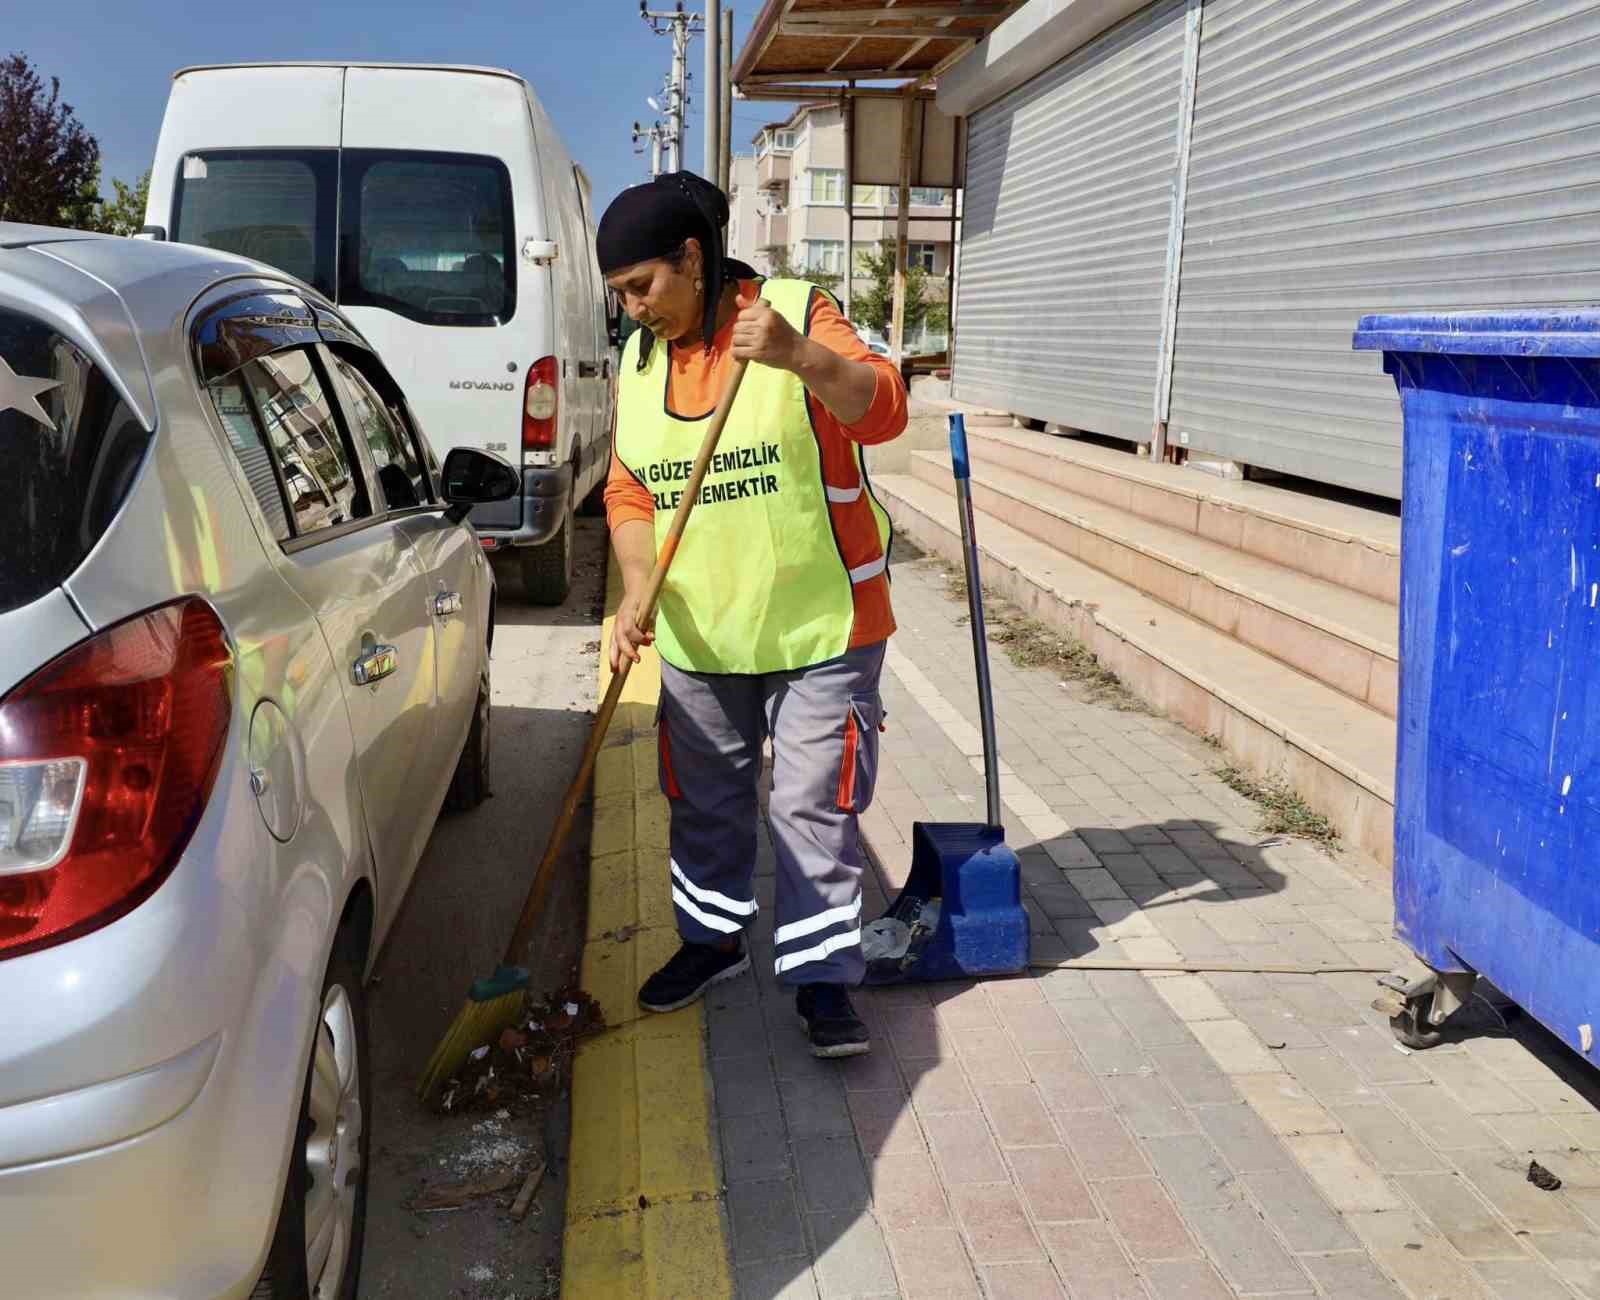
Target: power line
(680, 26)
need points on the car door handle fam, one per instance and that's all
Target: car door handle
(446, 603)
(588, 369)
(374, 664)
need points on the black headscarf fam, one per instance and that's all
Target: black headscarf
(650, 221)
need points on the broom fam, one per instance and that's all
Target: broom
(494, 1003)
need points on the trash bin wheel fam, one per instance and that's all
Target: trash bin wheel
(1412, 1026)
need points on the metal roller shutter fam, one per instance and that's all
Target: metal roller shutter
(1371, 155)
(1064, 233)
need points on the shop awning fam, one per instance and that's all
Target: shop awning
(802, 48)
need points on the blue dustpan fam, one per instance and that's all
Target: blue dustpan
(960, 913)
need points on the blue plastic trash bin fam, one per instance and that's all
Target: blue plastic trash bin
(1497, 791)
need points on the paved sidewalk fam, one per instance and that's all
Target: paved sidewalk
(1119, 1136)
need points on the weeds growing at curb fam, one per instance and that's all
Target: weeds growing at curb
(1283, 811)
(1032, 644)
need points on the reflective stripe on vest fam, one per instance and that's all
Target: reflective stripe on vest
(759, 583)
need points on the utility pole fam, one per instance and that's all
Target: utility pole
(711, 93)
(653, 134)
(725, 145)
(680, 26)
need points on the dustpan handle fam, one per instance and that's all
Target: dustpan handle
(980, 640)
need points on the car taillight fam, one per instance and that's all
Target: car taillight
(107, 758)
(540, 400)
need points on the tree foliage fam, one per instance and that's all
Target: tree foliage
(783, 268)
(49, 164)
(124, 214)
(874, 307)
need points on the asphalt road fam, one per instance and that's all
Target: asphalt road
(462, 904)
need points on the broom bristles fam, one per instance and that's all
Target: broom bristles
(492, 1007)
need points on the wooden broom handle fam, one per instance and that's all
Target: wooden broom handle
(644, 618)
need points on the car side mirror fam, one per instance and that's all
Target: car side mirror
(473, 477)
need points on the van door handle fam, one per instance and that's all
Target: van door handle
(446, 603)
(374, 664)
(588, 370)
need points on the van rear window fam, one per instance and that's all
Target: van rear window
(429, 236)
(69, 450)
(276, 205)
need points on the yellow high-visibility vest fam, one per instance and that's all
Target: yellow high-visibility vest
(758, 584)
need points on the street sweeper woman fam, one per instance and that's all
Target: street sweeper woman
(775, 611)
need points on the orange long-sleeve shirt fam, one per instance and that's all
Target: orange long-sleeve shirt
(695, 379)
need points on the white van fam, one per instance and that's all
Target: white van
(437, 206)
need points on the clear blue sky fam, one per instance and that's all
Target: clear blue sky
(592, 62)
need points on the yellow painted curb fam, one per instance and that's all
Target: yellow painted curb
(644, 1198)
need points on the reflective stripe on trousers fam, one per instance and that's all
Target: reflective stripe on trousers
(822, 720)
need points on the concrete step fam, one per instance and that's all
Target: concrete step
(1342, 638)
(1270, 719)
(1350, 545)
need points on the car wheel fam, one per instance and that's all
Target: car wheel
(594, 505)
(316, 1251)
(547, 568)
(469, 787)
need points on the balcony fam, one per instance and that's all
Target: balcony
(773, 228)
(772, 171)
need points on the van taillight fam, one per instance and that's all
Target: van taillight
(107, 757)
(541, 399)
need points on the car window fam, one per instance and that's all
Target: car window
(401, 476)
(275, 205)
(69, 450)
(232, 403)
(429, 236)
(320, 479)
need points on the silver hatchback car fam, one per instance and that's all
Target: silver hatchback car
(244, 663)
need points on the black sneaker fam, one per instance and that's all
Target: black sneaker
(831, 1022)
(693, 969)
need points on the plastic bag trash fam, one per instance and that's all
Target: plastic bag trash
(885, 939)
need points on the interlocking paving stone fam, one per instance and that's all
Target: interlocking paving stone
(1249, 1256)
(1050, 1184)
(831, 1173)
(1520, 1279)
(1299, 1212)
(965, 1149)
(884, 1122)
(852, 1259)
(1117, 1136)
(777, 1279)
(1247, 1144)
(907, 1193)
(1016, 1114)
(996, 1226)
(1350, 1277)
(1193, 1170)
(754, 1147)
(1094, 1265)
(1145, 1216)
(1465, 1221)
(1099, 1143)
(765, 1220)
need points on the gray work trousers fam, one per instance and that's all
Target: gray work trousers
(824, 723)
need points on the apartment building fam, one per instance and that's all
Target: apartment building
(790, 195)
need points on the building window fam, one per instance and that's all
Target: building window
(923, 196)
(782, 141)
(920, 255)
(868, 196)
(827, 185)
(825, 255)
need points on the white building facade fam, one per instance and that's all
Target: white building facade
(794, 188)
